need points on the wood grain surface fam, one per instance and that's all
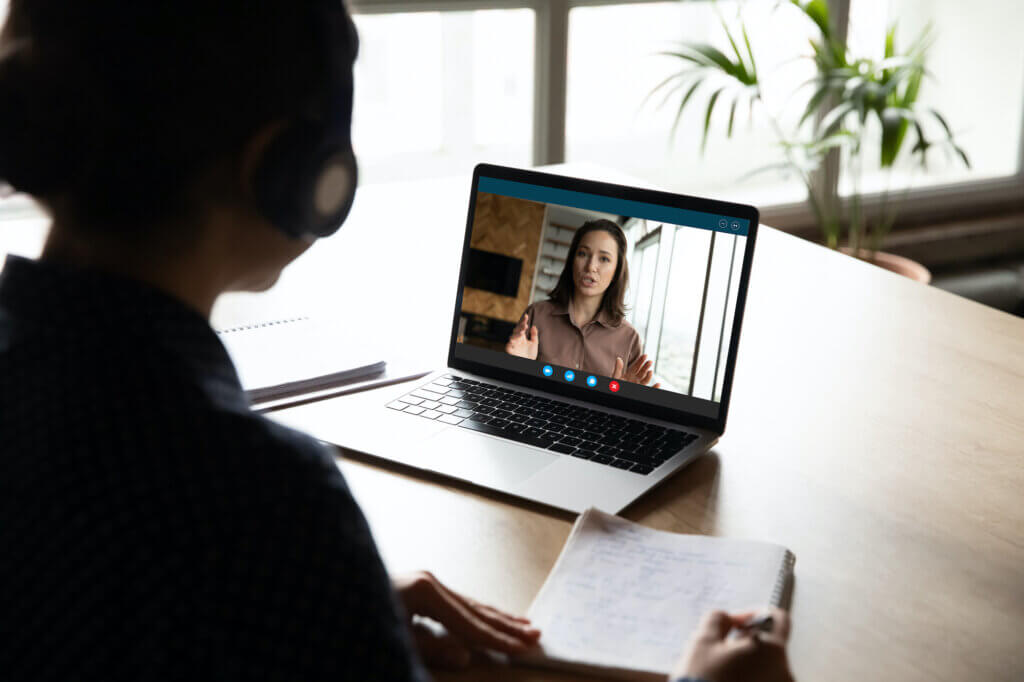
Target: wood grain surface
(876, 429)
(511, 227)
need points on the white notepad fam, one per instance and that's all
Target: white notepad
(286, 357)
(622, 600)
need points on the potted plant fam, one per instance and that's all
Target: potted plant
(847, 96)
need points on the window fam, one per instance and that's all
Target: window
(614, 64)
(438, 92)
(682, 300)
(444, 84)
(674, 359)
(645, 255)
(694, 326)
(713, 328)
(977, 83)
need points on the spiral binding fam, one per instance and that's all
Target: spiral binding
(261, 325)
(778, 592)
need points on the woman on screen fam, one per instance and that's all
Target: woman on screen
(582, 324)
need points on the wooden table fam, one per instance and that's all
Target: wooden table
(876, 429)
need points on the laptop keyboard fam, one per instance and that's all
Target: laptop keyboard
(560, 427)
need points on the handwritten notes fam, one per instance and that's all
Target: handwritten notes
(625, 597)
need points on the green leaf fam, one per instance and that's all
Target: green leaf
(669, 93)
(942, 122)
(735, 48)
(891, 120)
(913, 88)
(949, 136)
(732, 115)
(834, 118)
(890, 42)
(682, 105)
(839, 139)
(688, 52)
(685, 53)
(963, 155)
(817, 11)
(890, 63)
(818, 50)
(922, 145)
(814, 103)
(750, 52)
(897, 77)
(680, 77)
(816, 79)
(707, 118)
(716, 57)
(850, 89)
(919, 48)
(901, 133)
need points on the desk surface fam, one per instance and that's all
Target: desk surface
(876, 429)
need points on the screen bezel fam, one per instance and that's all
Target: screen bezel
(633, 194)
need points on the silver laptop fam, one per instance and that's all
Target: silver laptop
(592, 348)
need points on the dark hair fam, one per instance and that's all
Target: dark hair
(614, 302)
(115, 106)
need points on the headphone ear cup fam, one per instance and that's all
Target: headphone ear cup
(305, 183)
(334, 189)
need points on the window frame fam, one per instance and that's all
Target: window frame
(947, 201)
(652, 239)
(960, 200)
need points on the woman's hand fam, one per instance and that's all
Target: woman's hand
(758, 656)
(640, 372)
(522, 343)
(469, 624)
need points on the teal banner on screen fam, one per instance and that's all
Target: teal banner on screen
(614, 206)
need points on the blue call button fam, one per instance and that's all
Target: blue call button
(591, 381)
(569, 375)
(548, 370)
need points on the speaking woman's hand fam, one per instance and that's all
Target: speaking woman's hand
(469, 625)
(640, 372)
(523, 342)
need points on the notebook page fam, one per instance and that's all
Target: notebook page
(299, 353)
(627, 597)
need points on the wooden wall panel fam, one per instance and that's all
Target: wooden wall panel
(511, 227)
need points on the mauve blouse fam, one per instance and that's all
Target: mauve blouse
(590, 348)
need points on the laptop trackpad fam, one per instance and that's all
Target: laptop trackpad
(486, 460)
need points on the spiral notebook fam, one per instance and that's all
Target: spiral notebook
(294, 356)
(622, 600)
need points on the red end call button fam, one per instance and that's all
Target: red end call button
(613, 386)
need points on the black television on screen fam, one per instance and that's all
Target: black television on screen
(494, 272)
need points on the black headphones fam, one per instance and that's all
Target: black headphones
(306, 181)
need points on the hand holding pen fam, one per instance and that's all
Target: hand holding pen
(743, 647)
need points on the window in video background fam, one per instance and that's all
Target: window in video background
(681, 296)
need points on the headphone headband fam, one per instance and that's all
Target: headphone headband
(306, 181)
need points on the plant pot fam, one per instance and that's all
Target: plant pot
(893, 263)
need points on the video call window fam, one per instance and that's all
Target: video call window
(676, 291)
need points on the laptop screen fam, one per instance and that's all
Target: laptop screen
(613, 294)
